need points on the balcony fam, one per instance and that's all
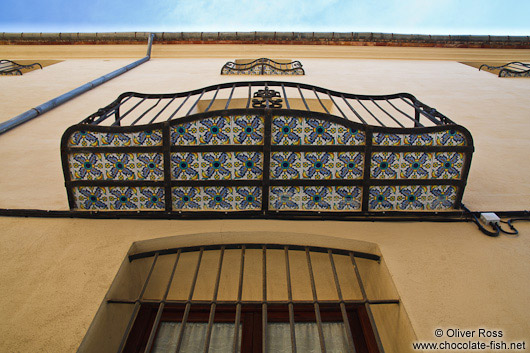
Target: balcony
(262, 66)
(266, 150)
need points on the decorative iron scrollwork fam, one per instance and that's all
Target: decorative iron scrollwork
(262, 96)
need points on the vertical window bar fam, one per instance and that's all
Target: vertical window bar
(197, 101)
(341, 300)
(285, 97)
(213, 99)
(147, 111)
(137, 306)
(117, 122)
(353, 110)
(180, 106)
(230, 97)
(162, 110)
(368, 110)
(315, 301)
(264, 304)
(238, 306)
(336, 105)
(366, 304)
(290, 298)
(387, 113)
(249, 94)
(214, 301)
(402, 112)
(314, 90)
(302, 96)
(151, 339)
(188, 303)
(266, 99)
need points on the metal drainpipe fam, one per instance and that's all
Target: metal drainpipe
(55, 102)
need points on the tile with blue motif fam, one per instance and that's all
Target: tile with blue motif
(186, 199)
(114, 139)
(91, 198)
(317, 198)
(247, 198)
(217, 198)
(185, 166)
(319, 132)
(286, 130)
(147, 138)
(349, 136)
(152, 198)
(286, 165)
(420, 139)
(450, 138)
(382, 198)
(385, 165)
(284, 198)
(248, 165)
(149, 166)
(86, 166)
(347, 198)
(123, 198)
(349, 165)
(248, 129)
(447, 165)
(318, 165)
(184, 134)
(120, 166)
(441, 197)
(216, 165)
(411, 197)
(215, 130)
(415, 165)
(385, 139)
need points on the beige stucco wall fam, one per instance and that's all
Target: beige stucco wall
(54, 273)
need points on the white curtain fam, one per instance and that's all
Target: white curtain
(307, 340)
(221, 341)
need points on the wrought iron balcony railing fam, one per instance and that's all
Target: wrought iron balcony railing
(9, 68)
(512, 69)
(263, 66)
(266, 149)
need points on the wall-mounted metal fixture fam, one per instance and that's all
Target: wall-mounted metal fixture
(263, 66)
(511, 69)
(11, 68)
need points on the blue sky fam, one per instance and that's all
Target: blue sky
(494, 17)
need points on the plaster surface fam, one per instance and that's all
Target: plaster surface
(56, 272)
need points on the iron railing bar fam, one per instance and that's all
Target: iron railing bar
(379, 121)
(147, 111)
(103, 117)
(194, 104)
(290, 298)
(154, 329)
(136, 307)
(285, 97)
(213, 99)
(402, 112)
(230, 97)
(252, 302)
(249, 94)
(214, 301)
(353, 110)
(266, 100)
(429, 116)
(128, 111)
(315, 301)
(178, 108)
(112, 110)
(366, 305)
(341, 301)
(188, 304)
(387, 113)
(302, 96)
(162, 110)
(238, 306)
(327, 111)
(336, 105)
(264, 303)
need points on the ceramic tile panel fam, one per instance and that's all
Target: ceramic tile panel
(216, 198)
(112, 139)
(114, 198)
